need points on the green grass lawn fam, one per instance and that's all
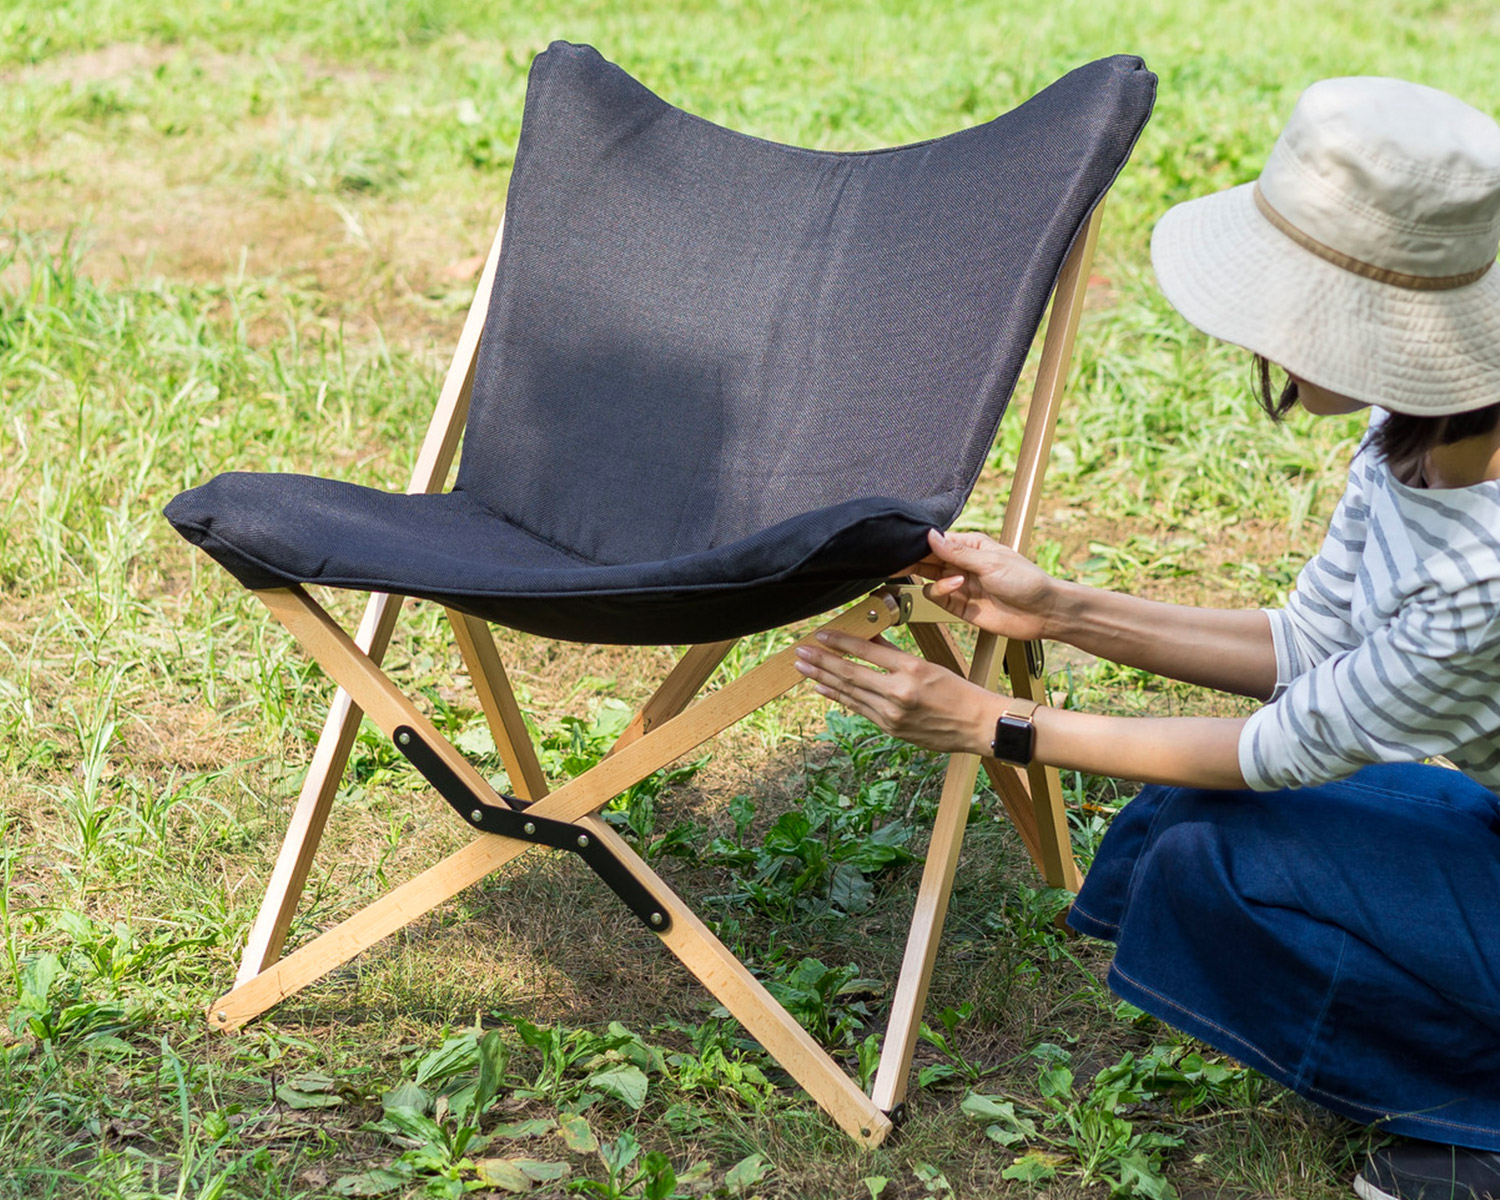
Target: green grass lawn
(244, 236)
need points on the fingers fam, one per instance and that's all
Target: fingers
(843, 680)
(971, 551)
(835, 663)
(877, 650)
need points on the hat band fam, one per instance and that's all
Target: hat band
(1421, 283)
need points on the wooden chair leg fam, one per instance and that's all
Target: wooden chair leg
(682, 683)
(326, 771)
(305, 830)
(722, 973)
(938, 646)
(1050, 817)
(932, 903)
(1048, 825)
(390, 709)
(507, 726)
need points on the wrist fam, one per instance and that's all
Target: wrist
(1065, 615)
(1014, 736)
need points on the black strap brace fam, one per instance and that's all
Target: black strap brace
(514, 822)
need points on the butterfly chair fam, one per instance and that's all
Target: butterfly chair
(709, 386)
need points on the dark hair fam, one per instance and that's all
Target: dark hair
(1400, 438)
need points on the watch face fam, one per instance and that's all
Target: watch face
(1013, 740)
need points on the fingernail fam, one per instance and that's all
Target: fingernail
(822, 637)
(804, 668)
(804, 652)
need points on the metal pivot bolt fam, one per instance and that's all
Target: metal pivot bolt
(872, 616)
(221, 1017)
(529, 828)
(657, 918)
(476, 816)
(583, 841)
(404, 738)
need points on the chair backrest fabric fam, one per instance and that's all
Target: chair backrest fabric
(695, 334)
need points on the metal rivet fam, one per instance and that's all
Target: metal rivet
(221, 1017)
(476, 816)
(864, 1133)
(872, 616)
(657, 918)
(405, 738)
(529, 828)
(583, 841)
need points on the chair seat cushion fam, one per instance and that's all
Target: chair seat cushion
(272, 530)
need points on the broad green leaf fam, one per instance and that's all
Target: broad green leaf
(1140, 1177)
(108, 1043)
(660, 1179)
(414, 1125)
(620, 1153)
(309, 1091)
(634, 1049)
(935, 1073)
(1056, 1081)
(625, 1082)
(456, 1054)
(987, 1108)
(376, 1182)
(543, 1172)
(877, 1185)
(503, 1173)
(746, 1173)
(1035, 1166)
(849, 890)
(476, 740)
(493, 1057)
(407, 1095)
(611, 719)
(576, 1134)
(1008, 1126)
(696, 1173)
(37, 978)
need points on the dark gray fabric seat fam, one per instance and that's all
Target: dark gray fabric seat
(723, 384)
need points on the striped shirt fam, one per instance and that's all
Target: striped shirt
(1389, 649)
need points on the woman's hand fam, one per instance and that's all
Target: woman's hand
(989, 585)
(906, 696)
(929, 705)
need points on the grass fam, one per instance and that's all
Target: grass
(243, 236)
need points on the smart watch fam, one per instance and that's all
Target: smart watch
(1015, 734)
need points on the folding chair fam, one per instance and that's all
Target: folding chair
(710, 386)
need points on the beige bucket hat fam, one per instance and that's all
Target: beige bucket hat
(1361, 259)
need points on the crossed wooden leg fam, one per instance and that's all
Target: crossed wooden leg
(664, 729)
(647, 750)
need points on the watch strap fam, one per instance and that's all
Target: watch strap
(1020, 708)
(1015, 732)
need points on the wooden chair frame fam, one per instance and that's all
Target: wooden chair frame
(667, 726)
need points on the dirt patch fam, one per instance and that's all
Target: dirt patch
(215, 206)
(95, 66)
(379, 272)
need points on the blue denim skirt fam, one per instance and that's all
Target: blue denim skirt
(1342, 939)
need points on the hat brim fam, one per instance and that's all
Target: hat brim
(1238, 278)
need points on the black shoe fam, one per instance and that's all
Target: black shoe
(1429, 1171)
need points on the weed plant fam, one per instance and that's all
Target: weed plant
(243, 236)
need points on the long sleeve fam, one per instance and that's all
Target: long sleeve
(1389, 650)
(1317, 622)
